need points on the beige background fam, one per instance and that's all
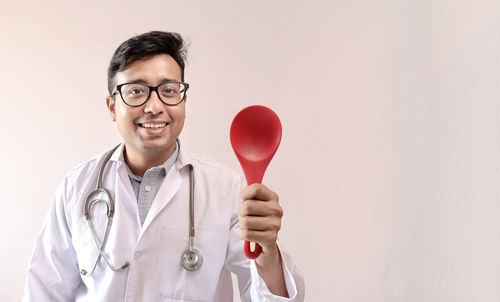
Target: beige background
(389, 166)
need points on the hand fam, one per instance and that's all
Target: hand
(260, 221)
(260, 217)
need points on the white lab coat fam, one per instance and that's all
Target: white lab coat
(65, 244)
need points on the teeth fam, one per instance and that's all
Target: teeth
(154, 126)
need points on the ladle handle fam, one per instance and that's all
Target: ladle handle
(249, 253)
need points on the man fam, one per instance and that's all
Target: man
(78, 256)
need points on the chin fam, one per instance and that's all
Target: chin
(151, 147)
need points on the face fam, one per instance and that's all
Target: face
(154, 126)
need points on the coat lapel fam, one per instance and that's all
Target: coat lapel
(170, 186)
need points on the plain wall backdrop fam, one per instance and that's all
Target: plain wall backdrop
(388, 170)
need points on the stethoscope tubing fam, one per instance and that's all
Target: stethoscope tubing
(191, 258)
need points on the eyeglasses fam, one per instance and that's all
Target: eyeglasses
(136, 94)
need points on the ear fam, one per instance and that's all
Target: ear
(185, 98)
(110, 103)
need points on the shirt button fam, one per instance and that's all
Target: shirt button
(137, 255)
(147, 188)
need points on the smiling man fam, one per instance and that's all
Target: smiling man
(164, 224)
(149, 119)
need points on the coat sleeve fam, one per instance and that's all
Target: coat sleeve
(252, 287)
(53, 269)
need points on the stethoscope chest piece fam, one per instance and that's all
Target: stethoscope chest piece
(191, 260)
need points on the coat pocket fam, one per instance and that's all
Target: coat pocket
(178, 284)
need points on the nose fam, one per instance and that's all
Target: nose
(154, 105)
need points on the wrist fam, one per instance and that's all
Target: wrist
(269, 257)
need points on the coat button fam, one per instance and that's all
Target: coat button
(147, 188)
(137, 255)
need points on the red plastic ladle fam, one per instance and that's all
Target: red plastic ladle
(255, 136)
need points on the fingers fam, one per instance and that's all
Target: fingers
(260, 208)
(260, 224)
(266, 239)
(258, 192)
(260, 216)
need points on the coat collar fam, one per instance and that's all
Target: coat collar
(184, 157)
(170, 186)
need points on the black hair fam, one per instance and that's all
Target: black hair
(143, 47)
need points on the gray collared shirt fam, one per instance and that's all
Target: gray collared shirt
(146, 187)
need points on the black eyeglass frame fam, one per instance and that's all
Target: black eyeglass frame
(118, 88)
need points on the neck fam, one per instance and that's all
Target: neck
(139, 162)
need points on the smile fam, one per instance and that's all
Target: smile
(153, 126)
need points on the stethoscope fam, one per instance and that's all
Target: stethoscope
(191, 258)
